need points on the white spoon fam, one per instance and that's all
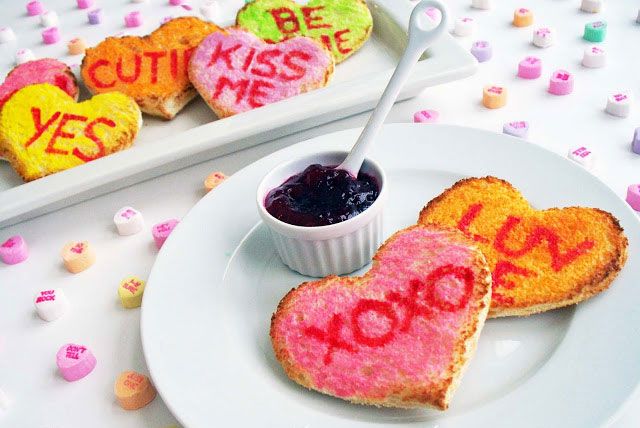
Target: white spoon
(421, 35)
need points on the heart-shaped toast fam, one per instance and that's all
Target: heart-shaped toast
(540, 260)
(150, 69)
(399, 336)
(342, 26)
(43, 130)
(45, 70)
(236, 71)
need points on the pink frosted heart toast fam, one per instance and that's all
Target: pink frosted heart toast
(399, 336)
(46, 70)
(236, 71)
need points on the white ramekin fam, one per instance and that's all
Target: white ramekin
(324, 250)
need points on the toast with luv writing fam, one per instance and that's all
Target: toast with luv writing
(540, 260)
(399, 336)
(151, 69)
(43, 130)
(236, 71)
(343, 26)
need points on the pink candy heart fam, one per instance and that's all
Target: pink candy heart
(237, 71)
(46, 70)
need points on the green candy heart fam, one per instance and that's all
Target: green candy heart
(341, 25)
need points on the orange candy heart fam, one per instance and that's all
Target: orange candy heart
(151, 69)
(540, 260)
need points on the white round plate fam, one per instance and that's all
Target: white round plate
(217, 280)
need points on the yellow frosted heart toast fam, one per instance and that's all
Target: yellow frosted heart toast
(43, 130)
(540, 259)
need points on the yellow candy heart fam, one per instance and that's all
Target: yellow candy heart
(43, 130)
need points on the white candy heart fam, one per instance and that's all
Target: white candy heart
(129, 221)
(51, 304)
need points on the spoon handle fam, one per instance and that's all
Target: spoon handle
(421, 36)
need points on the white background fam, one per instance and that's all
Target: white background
(41, 398)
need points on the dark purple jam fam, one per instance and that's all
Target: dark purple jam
(321, 195)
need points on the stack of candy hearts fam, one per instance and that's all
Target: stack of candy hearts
(78, 256)
(75, 361)
(134, 390)
(51, 304)
(128, 221)
(14, 250)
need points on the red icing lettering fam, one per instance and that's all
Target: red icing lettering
(223, 54)
(326, 41)
(504, 268)
(36, 115)
(467, 219)
(154, 56)
(311, 20)
(332, 337)
(61, 133)
(264, 58)
(412, 307)
(186, 56)
(240, 87)
(90, 134)
(286, 20)
(248, 59)
(256, 92)
(93, 68)
(137, 61)
(340, 41)
(535, 238)
(78, 248)
(299, 70)
(173, 63)
(381, 308)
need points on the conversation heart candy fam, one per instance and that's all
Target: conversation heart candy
(522, 17)
(133, 19)
(51, 304)
(14, 250)
(464, 26)
(342, 26)
(595, 31)
(426, 116)
(582, 156)
(150, 69)
(133, 390)
(130, 292)
(635, 143)
(7, 35)
(84, 4)
(94, 17)
(482, 4)
(213, 180)
(518, 128)
(633, 196)
(544, 37)
(482, 50)
(75, 361)
(161, 231)
(209, 9)
(128, 221)
(5, 401)
(51, 35)
(530, 68)
(34, 8)
(561, 83)
(237, 71)
(494, 96)
(78, 256)
(56, 133)
(592, 6)
(619, 104)
(594, 57)
(76, 46)
(24, 55)
(49, 19)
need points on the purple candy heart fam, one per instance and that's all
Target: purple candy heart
(518, 128)
(635, 144)
(482, 50)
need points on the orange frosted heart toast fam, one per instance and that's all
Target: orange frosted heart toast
(399, 336)
(540, 260)
(151, 69)
(43, 130)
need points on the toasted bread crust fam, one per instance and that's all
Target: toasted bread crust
(602, 277)
(407, 396)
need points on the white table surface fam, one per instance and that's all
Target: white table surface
(42, 399)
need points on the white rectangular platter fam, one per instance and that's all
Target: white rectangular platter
(195, 135)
